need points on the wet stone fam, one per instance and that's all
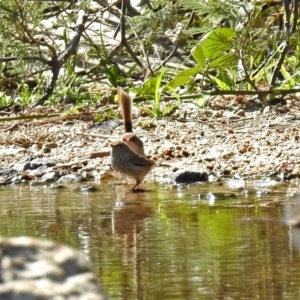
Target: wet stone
(37, 270)
(50, 177)
(88, 189)
(184, 176)
(19, 179)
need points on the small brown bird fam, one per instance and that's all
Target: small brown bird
(130, 138)
(134, 143)
(129, 163)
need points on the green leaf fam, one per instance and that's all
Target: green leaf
(168, 87)
(147, 89)
(169, 110)
(199, 57)
(189, 72)
(217, 42)
(221, 84)
(176, 82)
(226, 60)
(152, 112)
(157, 89)
(201, 101)
(184, 77)
(112, 73)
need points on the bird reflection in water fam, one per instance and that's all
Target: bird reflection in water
(128, 220)
(130, 211)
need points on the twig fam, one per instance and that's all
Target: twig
(58, 60)
(220, 93)
(287, 12)
(176, 46)
(247, 76)
(104, 136)
(288, 30)
(285, 48)
(123, 41)
(294, 4)
(29, 117)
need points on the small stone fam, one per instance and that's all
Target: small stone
(88, 189)
(241, 113)
(184, 176)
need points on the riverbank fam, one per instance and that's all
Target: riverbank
(229, 138)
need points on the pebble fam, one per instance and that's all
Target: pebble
(184, 176)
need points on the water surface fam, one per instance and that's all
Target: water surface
(170, 242)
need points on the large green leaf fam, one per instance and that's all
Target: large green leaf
(184, 77)
(225, 60)
(221, 84)
(188, 72)
(218, 41)
(176, 82)
(199, 56)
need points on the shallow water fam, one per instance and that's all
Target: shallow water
(203, 241)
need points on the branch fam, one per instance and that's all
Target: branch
(123, 41)
(277, 68)
(287, 11)
(232, 92)
(14, 58)
(58, 61)
(294, 5)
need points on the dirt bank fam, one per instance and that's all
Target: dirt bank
(230, 137)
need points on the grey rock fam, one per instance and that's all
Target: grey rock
(38, 162)
(21, 167)
(18, 179)
(4, 172)
(33, 269)
(107, 125)
(39, 171)
(68, 178)
(50, 177)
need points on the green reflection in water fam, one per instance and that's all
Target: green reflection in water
(166, 243)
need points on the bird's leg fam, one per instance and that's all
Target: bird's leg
(137, 183)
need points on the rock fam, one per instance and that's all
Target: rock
(38, 162)
(50, 177)
(68, 178)
(184, 176)
(21, 167)
(88, 189)
(107, 126)
(7, 172)
(18, 179)
(33, 269)
(39, 171)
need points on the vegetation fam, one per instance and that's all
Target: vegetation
(51, 50)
